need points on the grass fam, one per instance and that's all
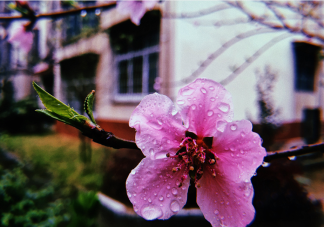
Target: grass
(59, 156)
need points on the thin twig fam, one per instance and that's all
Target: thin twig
(57, 15)
(201, 68)
(250, 60)
(294, 152)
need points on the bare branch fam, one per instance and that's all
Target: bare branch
(294, 152)
(217, 53)
(57, 15)
(250, 60)
(200, 13)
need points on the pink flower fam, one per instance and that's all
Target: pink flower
(136, 9)
(194, 140)
(23, 38)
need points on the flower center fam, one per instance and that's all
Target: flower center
(195, 157)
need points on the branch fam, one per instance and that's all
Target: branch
(57, 15)
(250, 60)
(294, 152)
(287, 27)
(200, 13)
(217, 53)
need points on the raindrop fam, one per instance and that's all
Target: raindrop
(149, 199)
(247, 192)
(210, 113)
(242, 134)
(174, 191)
(168, 187)
(216, 212)
(222, 217)
(161, 198)
(177, 182)
(211, 88)
(133, 171)
(233, 127)
(175, 206)
(152, 153)
(151, 212)
(155, 124)
(187, 91)
(224, 107)
(212, 99)
(203, 90)
(265, 164)
(232, 154)
(180, 102)
(227, 203)
(168, 195)
(134, 194)
(193, 107)
(159, 121)
(83, 13)
(129, 195)
(174, 112)
(244, 213)
(292, 158)
(168, 141)
(220, 125)
(97, 12)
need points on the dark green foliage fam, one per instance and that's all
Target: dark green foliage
(23, 203)
(84, 210)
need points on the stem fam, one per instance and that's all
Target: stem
(57, 15)
(302, 150)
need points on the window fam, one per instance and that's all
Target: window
(306, 58)
(136, 57)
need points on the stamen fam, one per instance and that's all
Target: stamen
(197, 185)
(212, 161)
(191, 168)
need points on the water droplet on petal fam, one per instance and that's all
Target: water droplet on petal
(222, 217)
(220, 125)
(227, 203)
(174, 112)
(168, 187)
(244, 213)
(149, 199)
(203, 90)
(210, 113)
(175, 206)
(224, 107)
(133, 171)
(233, 127)
(161, 198)
(151, 212)
(174, 191)
(129, 195)
(180, 102)
(177, 182)
(168, 195)
(216, 212)
(211, 88)
(159, 121)
(193, 107)
(242, 134)
(187, 91)
(212, 99)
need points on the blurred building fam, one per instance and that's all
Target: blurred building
(103, 50)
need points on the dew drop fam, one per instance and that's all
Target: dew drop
(233, 127)
(211, 88)
(232, 154)
(227, 203)
(265, 164)
(180, 102)
(150, 200)
(168, 141)
(244, 213)
(133, 171)
(151, 212)
(224, 107)
(216, 212)
(203, 90)
(174, 112)
(247, 193)
(242, 134)
(174, 191)
(210, 113)
(168, 195)
(193, 107)
(168, 187)
(152, 153)
(220, 125)
(292, 158)
(187, 91)
(212, 99)
(222, 217)
(175, 206)
(161, 198)
(177, 182)
(129, 195)
(159, 121)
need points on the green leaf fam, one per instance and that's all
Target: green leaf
(58, 110)
(88, 105)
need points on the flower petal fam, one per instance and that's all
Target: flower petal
(202, 103)
(239, 151)
(158, 125)
(225, 202)
(154, 189)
